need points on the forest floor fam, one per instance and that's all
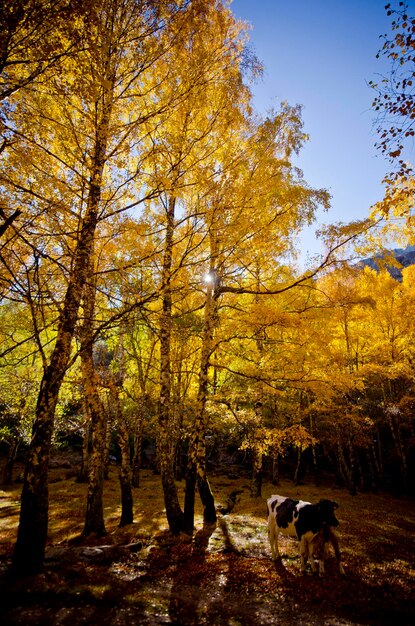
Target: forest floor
(223, 575)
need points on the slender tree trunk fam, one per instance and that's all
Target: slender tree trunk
(354, 466)
(137, 442)
(196, 465)
(275, 477)
(108, 436)
(343, 466)
(127, 505)
(377, 468)
(397, 441)
(165, 447)
(177, 422)
(86, 448)
(142, 412)
(359, 473)
(10, 459)
(94, 518)
(33, 526)
(189, 497)
(314, 454)
(402, 452)
(116, 384)
(256, 482)
(372, 471)
(138, 436)
(127, 512)
(297, 469)
(379, 455)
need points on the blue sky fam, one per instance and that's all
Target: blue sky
(321, 54)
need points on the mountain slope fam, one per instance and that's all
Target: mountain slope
(404, 256)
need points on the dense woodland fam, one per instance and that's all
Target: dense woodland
(151, 303)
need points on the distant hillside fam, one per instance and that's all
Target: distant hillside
(404, 256)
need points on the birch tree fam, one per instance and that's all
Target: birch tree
(77, 135)
(209, 70)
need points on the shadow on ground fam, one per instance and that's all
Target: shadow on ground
(222, 576)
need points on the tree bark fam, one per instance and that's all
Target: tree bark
(256, 482)
(127, 507)
(275, 478)
(94, 518)
(137, 441)
(33, 525)
(345, 471)
(394, 425)
(297, 469)
(108, 434)
(165, 448)
(142, 412)
(314, 454)
(10, 459)
(196, 467)
(86, 448)
(116, 381)
(8, 220)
